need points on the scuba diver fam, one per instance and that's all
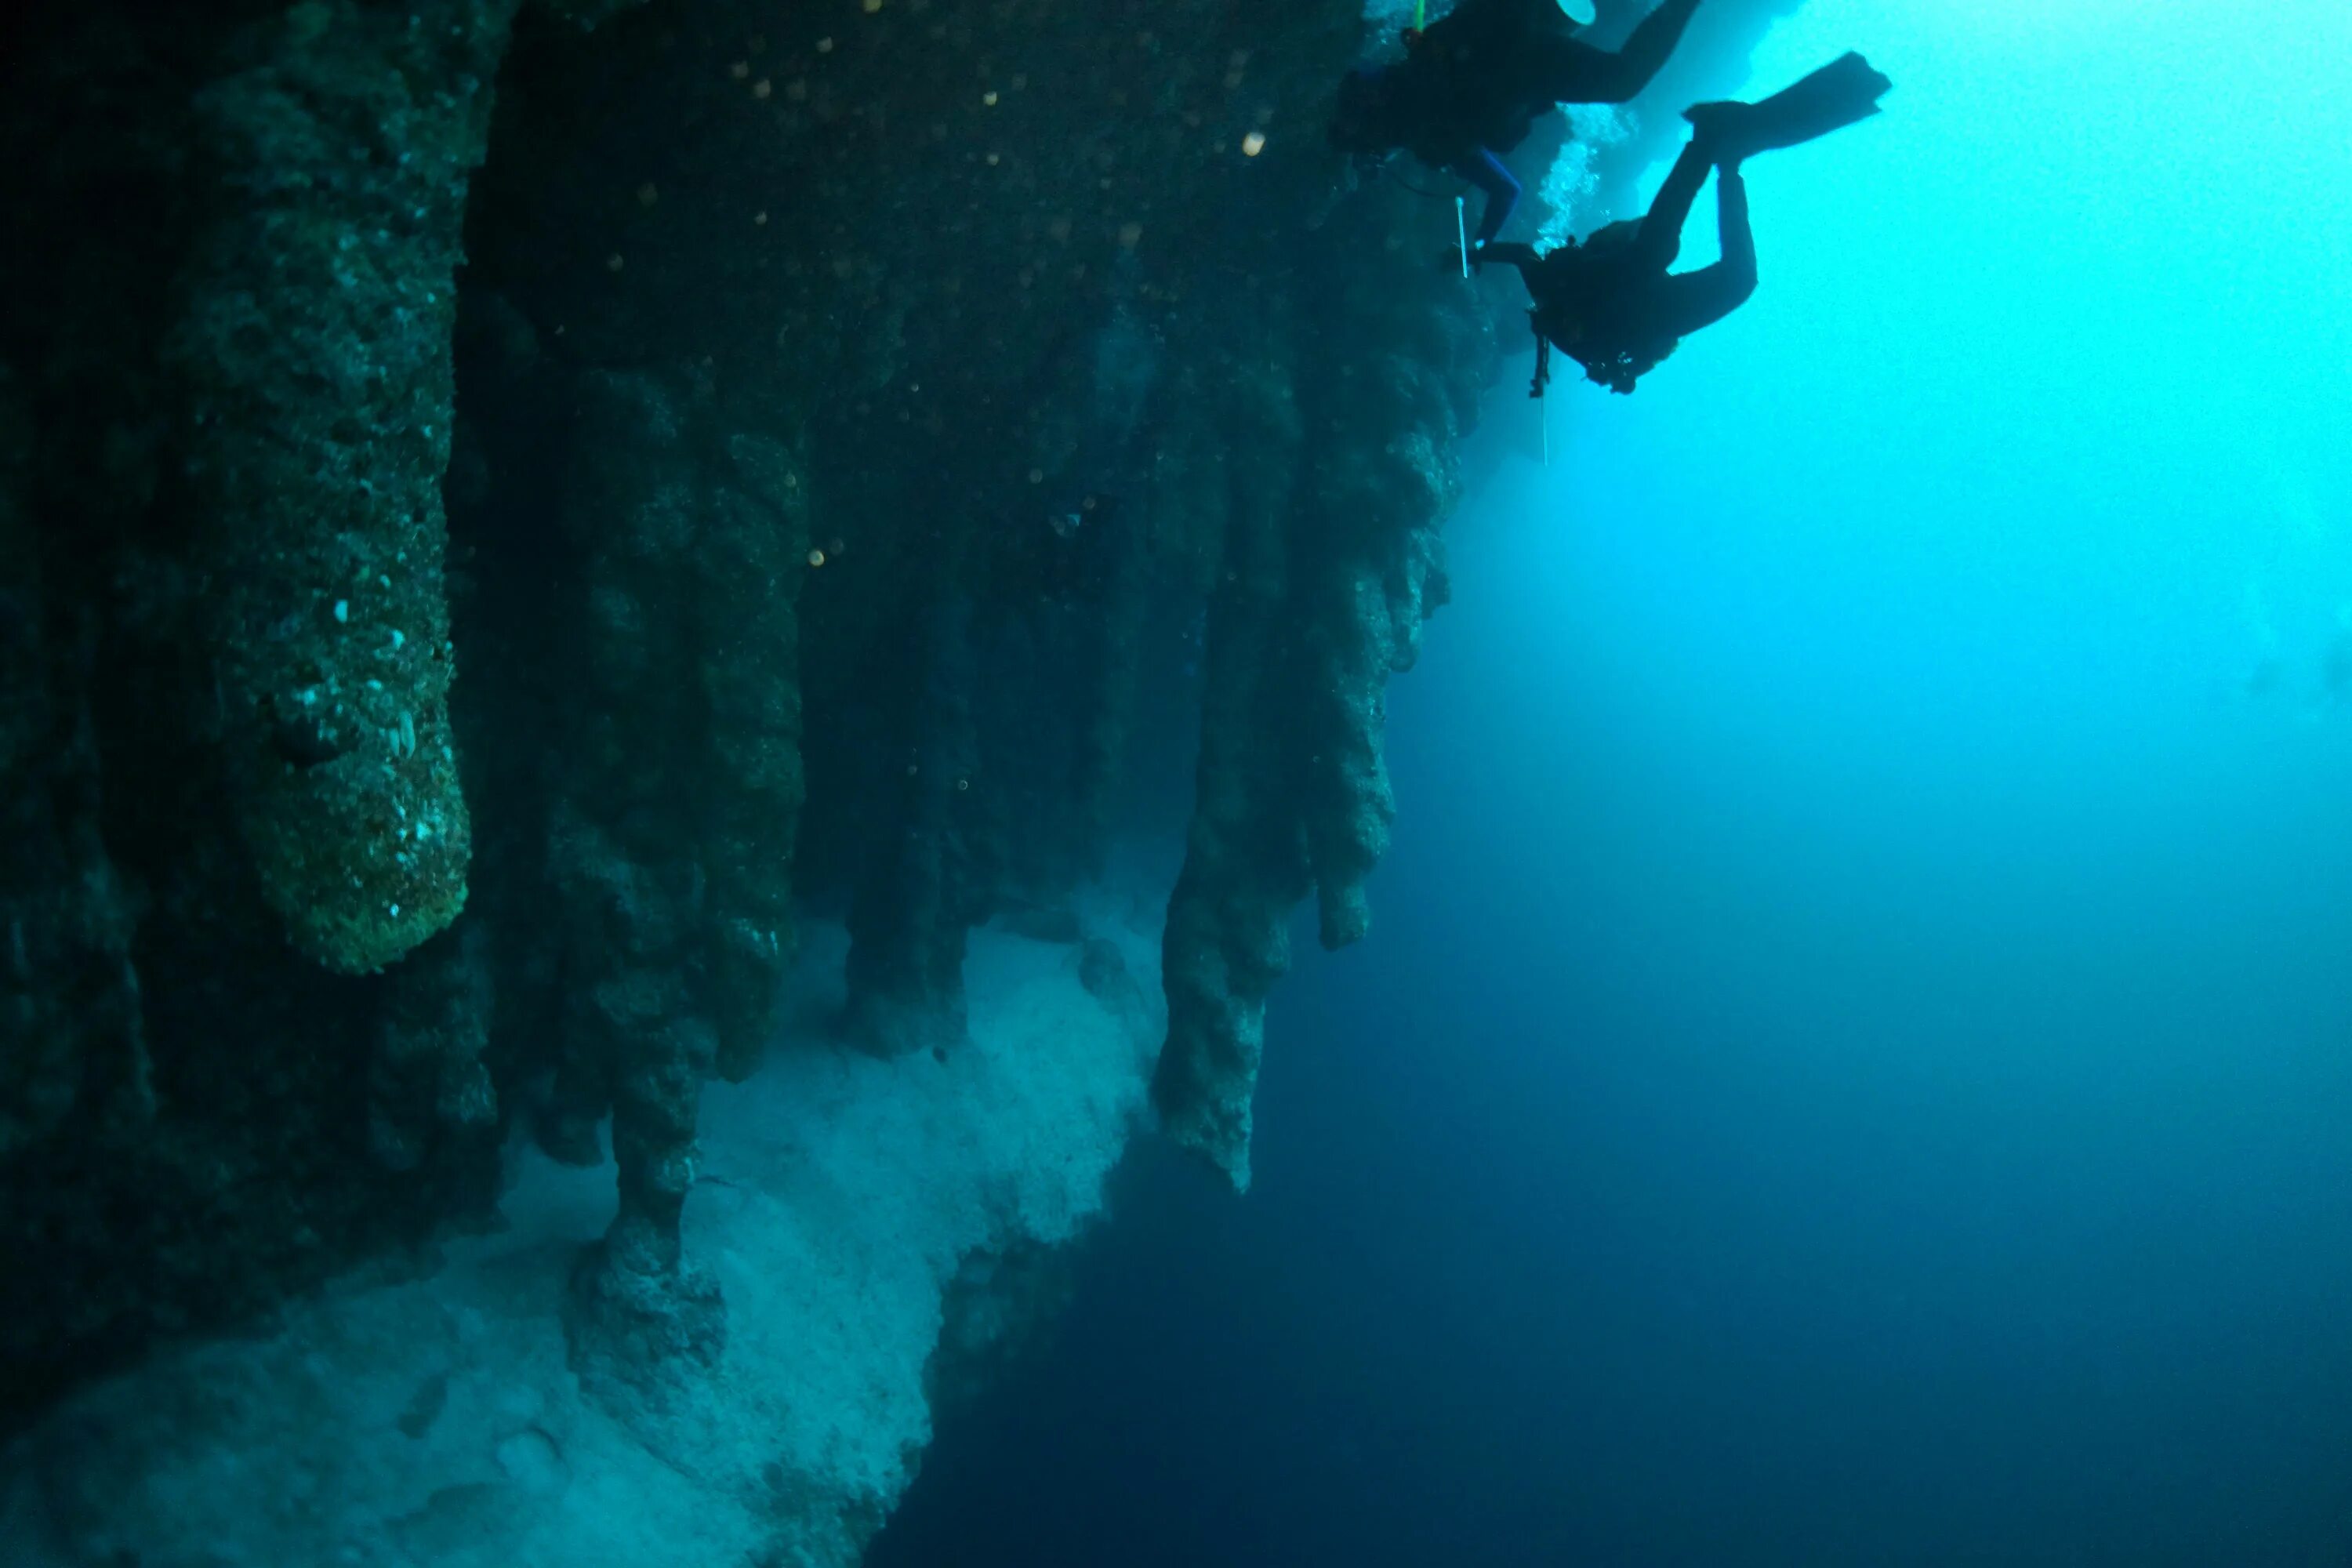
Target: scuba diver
(1470, 87)
(1610, 303)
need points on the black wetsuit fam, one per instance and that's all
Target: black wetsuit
(1613, 307)
(1520, 57)
(1610, 304)
(1473, 85)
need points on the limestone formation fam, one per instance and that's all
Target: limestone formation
(330, 169)
(845, 450)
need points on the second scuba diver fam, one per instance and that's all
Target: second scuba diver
(1469, 89)
(1610, 303)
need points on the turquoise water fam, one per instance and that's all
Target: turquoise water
(1855, 1061)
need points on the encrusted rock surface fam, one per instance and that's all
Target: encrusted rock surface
(510, 508)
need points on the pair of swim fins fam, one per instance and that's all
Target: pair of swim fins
(1842, 93)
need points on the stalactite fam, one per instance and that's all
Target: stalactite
(911, 912)
(314, 352)
(747, 566)
(637, 1034)
(68, 995)
(1327, 576)
(859, 399)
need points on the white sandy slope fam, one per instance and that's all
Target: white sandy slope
(435, 1421)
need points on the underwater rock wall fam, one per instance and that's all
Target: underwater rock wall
(311, 370)
(230, 275)
(72, 1015)
(1337, 471)
(881, 1231)
(507, 509)
(1348, 466)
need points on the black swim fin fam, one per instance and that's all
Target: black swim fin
(1840, 94)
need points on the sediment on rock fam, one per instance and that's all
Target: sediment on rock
(860, 1212)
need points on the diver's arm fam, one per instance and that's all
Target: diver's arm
(1660, 238)
(1689, 300)
(1621, 76)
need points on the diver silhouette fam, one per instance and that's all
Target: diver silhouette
(1471, 86)
(1610, 303)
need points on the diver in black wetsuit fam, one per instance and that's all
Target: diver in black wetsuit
(1469, 89)
(1610, 303)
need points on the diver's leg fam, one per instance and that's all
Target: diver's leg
(1842, 93)
(1486, 172)
(1514, 253)
(1578, 73)
(1661, 236)
(1737, 237)
(1651, 45)
(1689, 300)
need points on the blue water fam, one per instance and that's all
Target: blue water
(1854, 1066)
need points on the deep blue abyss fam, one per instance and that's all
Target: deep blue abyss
(1851, 1066)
